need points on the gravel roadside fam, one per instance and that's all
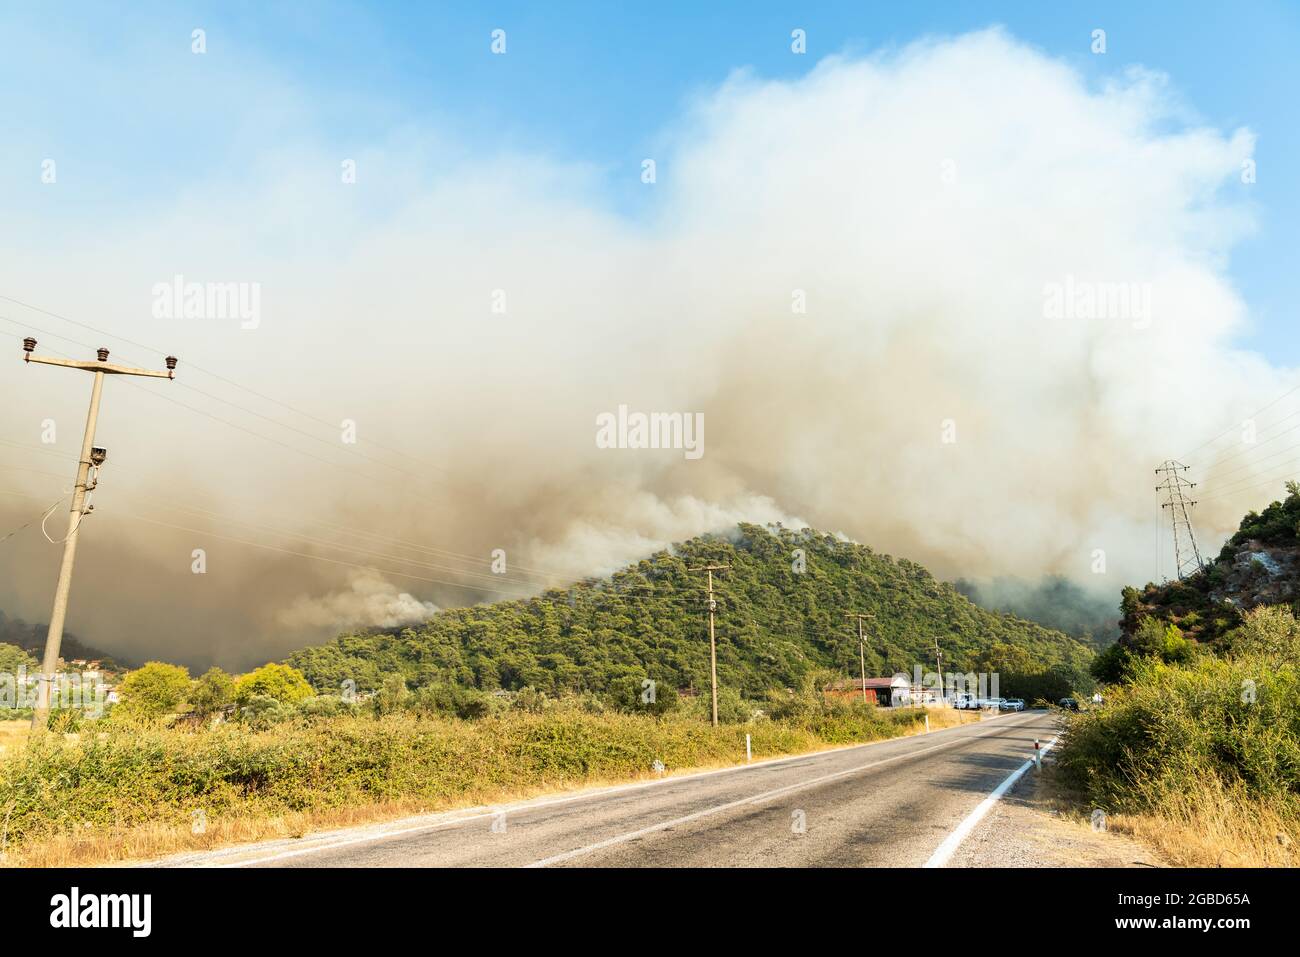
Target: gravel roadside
(1029, 827)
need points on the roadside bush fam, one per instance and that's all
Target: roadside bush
(325, 706)
(261, 711)
(732, 708)
(1270, 632)
(454, 701)
(531, 700)
(391, 696)
(1235, 721)
(267, 764)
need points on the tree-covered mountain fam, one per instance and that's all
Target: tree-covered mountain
(31, 638)
(780, 617)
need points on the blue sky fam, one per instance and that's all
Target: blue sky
(582, 82)
(522, 172)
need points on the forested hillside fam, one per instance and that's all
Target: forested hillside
(31, 638)
(1258, 565)
(775, 626)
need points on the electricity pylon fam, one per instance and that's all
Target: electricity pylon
(91, 457)
(1186, 555)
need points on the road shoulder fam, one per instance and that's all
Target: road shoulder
(1034, 827)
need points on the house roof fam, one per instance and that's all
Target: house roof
(873, 684)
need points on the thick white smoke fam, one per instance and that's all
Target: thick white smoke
(885, 285)
(369, 601)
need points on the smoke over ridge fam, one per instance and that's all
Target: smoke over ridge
(851, 275)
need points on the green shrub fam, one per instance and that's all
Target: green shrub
(261, 711)
(271, 763)
(13, 658)
(273, 680)
(211, 692)
(1270, 632)
(154, 690)
(1237, 721)
(454, 701)
(325, 706)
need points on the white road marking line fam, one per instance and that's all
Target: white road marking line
(211, 861)
(756, 799)
(945, 851)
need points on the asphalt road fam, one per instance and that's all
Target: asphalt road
(885, 804)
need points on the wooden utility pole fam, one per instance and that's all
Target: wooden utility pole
(713, 646)
(91, 458)
(862, 653)
(938, 659)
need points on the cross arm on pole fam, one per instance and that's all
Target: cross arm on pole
(108, 368)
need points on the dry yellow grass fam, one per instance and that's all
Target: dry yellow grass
(1203, 825)
(151, 841)
(13, 734)
(1206, 826)
(941, 718)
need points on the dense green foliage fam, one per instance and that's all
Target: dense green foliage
(1170, 727)
(273, 680)
(12, 658)
(775, 626)
(156, 689)
(1151, 639)
(113, 780)
(1206, 739)
(159, 691)
(1279, 525)
(211, 692)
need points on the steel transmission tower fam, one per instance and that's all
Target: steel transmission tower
(1187, 557)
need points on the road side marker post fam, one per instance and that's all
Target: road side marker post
(1038, 755)
(927, 724)
(749, 755)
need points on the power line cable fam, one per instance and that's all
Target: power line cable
(41, 518)
(1250, 447)
(235, 425)
(1233, 428)
(207, 372)
(1257, 464)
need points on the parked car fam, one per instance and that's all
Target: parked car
(1014, 704)
(1069, 704)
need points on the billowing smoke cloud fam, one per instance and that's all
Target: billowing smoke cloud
(1053, 601)
(368, 602)
(949, 301)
